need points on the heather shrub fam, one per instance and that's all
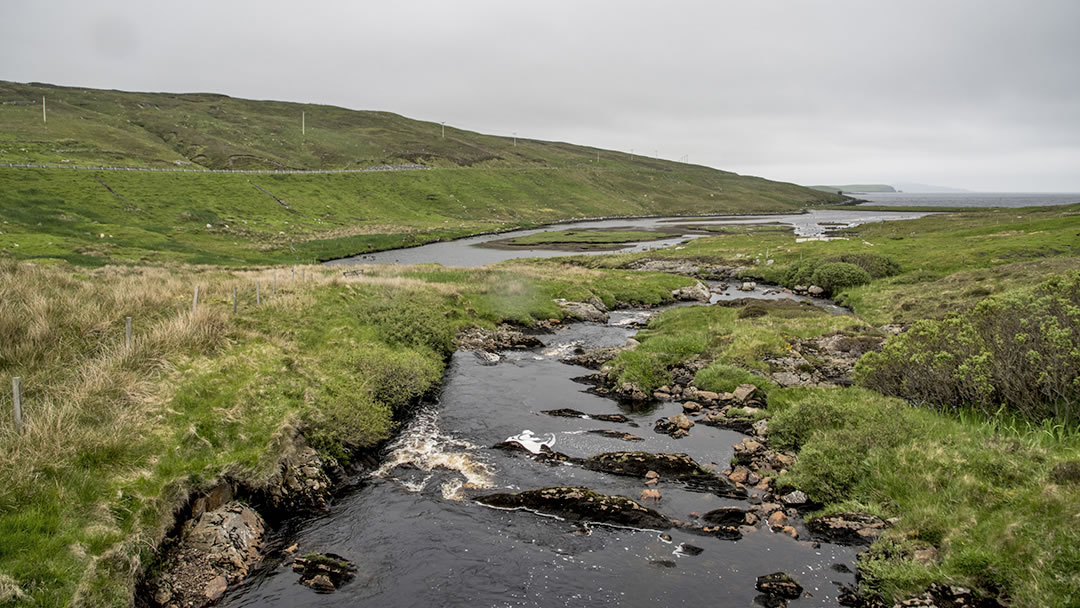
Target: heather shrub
(1019, 350)
(837, 276)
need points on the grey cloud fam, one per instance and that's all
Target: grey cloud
(977, 94)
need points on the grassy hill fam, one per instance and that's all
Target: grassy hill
(473, 183)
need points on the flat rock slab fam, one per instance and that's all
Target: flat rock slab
(671, 467)
(610, 434)
(581, 504)
(569, 413)
(848, 528)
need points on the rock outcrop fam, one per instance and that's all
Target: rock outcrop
(214, 551)
(581, 504)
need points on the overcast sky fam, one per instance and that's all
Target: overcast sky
(980, 94)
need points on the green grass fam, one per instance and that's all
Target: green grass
(475, 182)
(117, 437)
(735, 346)
(983, 492)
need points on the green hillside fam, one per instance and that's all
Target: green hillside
(473, 182)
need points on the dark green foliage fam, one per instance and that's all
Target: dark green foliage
(876, 265)
(1020, 350)
(836, 276)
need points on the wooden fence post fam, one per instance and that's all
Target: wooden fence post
(234, 300)
(16, 394)
(127, 332)
(258, 293)
(195, 300)
(275, 284)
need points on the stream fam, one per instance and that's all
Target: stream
(471, 251)
(419, 540)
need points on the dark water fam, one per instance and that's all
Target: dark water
(420, 541)
(971, 199)
(470, 252)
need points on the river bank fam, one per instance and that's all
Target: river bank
(210, 395)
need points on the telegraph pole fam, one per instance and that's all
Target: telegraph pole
(515, 139)
(43, 119)
(443, 123)
(303, 123)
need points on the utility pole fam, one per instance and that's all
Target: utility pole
(631, 154)
(598, 156)
(443, 123)
(303, 123)
(43, 118)
(515, 139)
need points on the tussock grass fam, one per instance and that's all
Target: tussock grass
(981, 490)
(736, 346)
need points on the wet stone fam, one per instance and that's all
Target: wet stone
(581, 504)
(610, 434)
(848, 528)
(324, 572)
(779, 584)
(726, 516)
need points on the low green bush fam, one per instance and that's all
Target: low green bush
(836, 276)
(1019, 350)
(876, 265)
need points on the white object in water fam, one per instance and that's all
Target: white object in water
(530, 441)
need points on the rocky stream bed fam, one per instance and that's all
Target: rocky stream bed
(532, 482)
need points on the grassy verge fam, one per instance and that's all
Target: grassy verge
(116, 437)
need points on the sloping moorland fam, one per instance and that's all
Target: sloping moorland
(465, 183)
(980, 464)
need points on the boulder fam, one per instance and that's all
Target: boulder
(708, 396)
(324, 572)
(300, 484)
(726, 516)
(779, 584)
(504, 337)
(675, 467)
(745, 392)
(848, 528)
(594, 358)
(815, 291)
(777, 520)
(747, 286)
(696, 292)
(581, 504)
(570, 413)
(582, 311)
(691, 407)
(796, 497)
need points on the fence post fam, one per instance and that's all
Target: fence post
(195, 300)
(127, 332)
(275, 284)
(258, 293)
(16, 393)
(234, 300)
(292, 274)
